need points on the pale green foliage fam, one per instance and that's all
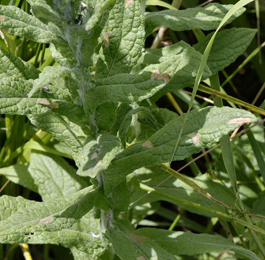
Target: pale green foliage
(98, 97)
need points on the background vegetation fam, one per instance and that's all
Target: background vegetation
(194, 197)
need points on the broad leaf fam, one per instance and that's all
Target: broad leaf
(181, 194)
(96, 155)
(205, 18)
(180, 243)
(24, 217)
(19, 174)
(54, 176)
(11, 65)
(129, 246)
(57, 221)
(181, 63)
(124, 39)
(228, 46)
(203, 129)
(172, 64)
(17, 22)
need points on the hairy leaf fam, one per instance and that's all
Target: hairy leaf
(179, 243)
(17, 22)
(123, 39)
(205, 18)
(228, 46)
(203, 129)
(129, 246)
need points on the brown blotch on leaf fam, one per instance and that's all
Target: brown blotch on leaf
(47, 220)
(196, 138)
(164, 76)
(240, 121)
(106, 39)
(2, 18)
(98, 164)
(127, 3)
(94, 156)
(148, 144)
(155, 74)
(137, 239)
(46, 102)
(54, 105)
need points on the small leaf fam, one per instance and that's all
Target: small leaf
(62, 127)
(154, 120)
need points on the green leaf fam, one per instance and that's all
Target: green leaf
(49, 223)
(180, 243)
(10, 87)
(22, 218)
(49, 175)
(153, 120)
(205, 18)
(64, 121)
(129, 246)
(258, 154)
(171, 64)
(181, 194)
(258, 205)
(105, 115)
(59, 82)
(17, 22)
(96, 155)
(54, 176)
(124, 87)
(175, 60)
(11, 65)
(203, 129)
(124, 39)
(19, 174)
(228, 46)
(62, 125)
(54, 13)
